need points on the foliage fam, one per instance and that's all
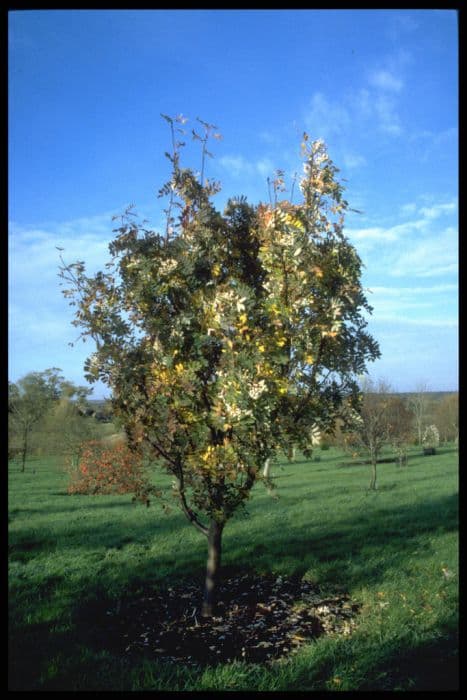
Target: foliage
(431, 436)
(66, 427)
(231, 334)
(399, 427)
(28, 401)
(370, 427)
(446, 414)
(419, 404)
(47, 415)
(104, 470)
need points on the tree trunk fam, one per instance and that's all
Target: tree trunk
(267, 467)
(373, 476)
(212, 568)
(24, 452)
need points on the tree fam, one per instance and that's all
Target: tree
(371, 426)
(229, 333)
(430, 440)
(399, 427)
(66, 427)
(28, 401)
(418, 404)
(446, 417)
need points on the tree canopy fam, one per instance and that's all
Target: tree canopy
(230, 332)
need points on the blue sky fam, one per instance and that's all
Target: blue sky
(86, 89)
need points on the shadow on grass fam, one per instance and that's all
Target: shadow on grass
(395, 534)
(73, 508)
(432, 666)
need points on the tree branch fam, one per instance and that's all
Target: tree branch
(190, 514)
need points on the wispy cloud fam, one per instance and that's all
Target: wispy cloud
(353, 160)
(39, 316)
(400, 24)
(409, 291)
(438, 209)
(239, 166)
(386, 81)
(34, 262)
(400, 318)
(33, 254)
(409, 208)
(421, 224)
(372, 104)
(325, 117)
(433, 257)
(430, 305)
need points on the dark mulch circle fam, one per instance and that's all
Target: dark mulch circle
(258, 619)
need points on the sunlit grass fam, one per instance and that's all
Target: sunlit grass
(394, 551)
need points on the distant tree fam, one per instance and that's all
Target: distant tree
(399, 427)
(430, 439)
(418, 404)
(229, 333)
(446, 417)
(370, 425)
(29, 399)
(66, 426)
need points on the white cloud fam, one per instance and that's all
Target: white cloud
(429, 258)
(416, 322)
(38, 310)
(385, 80)
(265, 167)
(379, 234)
(376, 233)
(400, 24)
(386, 112)
(419, 226)
(34, 258)
(353, 160)
(372, 105)
(430, 306)
(324, 117)
(238, 166)
(409, 208)
(438, 209)
(40, 318)
(407, 291)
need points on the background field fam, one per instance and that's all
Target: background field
(395, 552)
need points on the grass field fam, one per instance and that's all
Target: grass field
(394, 551)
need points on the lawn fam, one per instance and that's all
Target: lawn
(395, 552)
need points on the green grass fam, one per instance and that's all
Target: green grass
(395, 551)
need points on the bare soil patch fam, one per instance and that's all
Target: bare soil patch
(259, 619)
